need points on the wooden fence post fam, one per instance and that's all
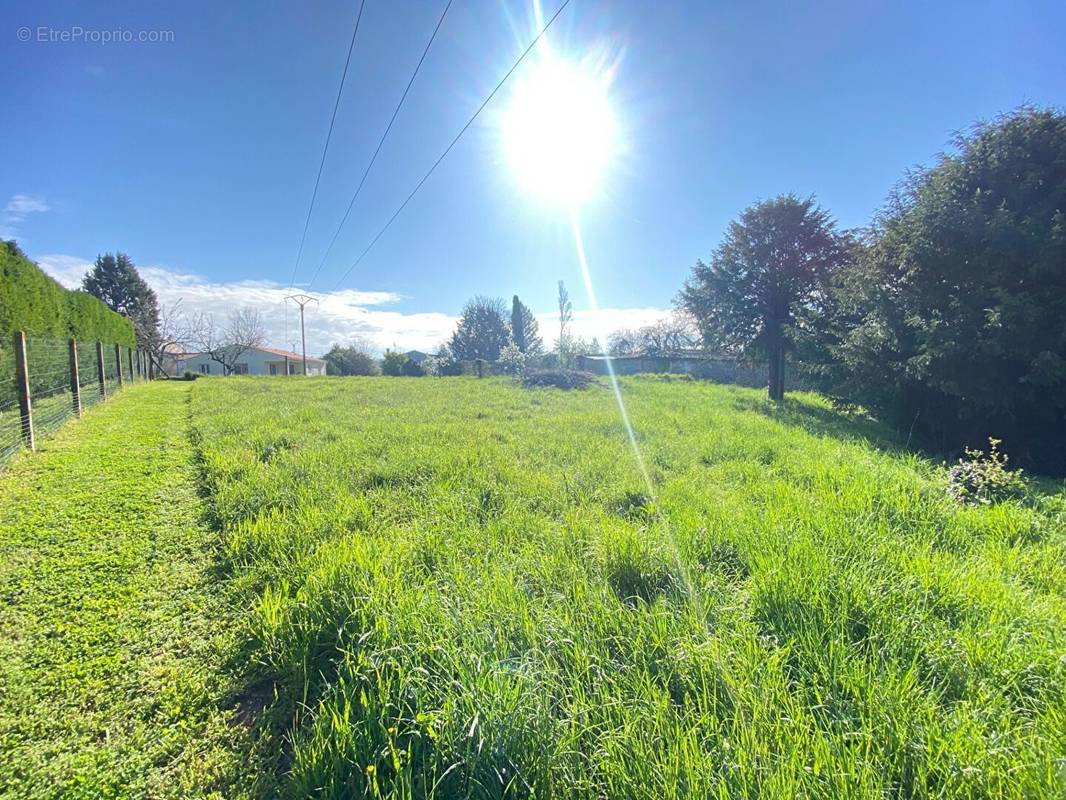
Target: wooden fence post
(151, 367)
(22, 378)
(100, 369)
(75, 381)
(129, 360)
(118, 364)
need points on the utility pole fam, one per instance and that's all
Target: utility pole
(302, 300)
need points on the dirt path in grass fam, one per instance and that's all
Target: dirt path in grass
(113, 629)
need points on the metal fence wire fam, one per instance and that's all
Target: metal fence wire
(60, 380)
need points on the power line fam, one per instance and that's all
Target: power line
(325, 147)
(448, 149)
(381, 142)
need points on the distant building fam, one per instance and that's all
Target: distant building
(417, 356)
(255, 361)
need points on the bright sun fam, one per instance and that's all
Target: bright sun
(559, 130)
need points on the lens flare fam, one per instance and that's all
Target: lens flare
(559, 131)
(638, 456)
(559, 135)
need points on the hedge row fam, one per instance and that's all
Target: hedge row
(33, 302)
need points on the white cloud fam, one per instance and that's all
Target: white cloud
(16, 210)
(68, 270)
(340, 316)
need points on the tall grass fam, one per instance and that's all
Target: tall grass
(464, 589)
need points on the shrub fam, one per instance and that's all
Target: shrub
(512, 360)
(352, 359)
(394, 363)
(980, 479)
(189, 375)
(559, 378)
(443, 363)
(411, 369)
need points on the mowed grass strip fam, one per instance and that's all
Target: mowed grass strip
(113, 627)
(465, 589)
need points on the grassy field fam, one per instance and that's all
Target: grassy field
(461, 588)
(115, 630)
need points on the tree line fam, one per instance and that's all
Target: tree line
(945, 317)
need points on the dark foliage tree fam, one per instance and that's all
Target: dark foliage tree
(525, 333)
(114, 280)
(773, 261)
(482, 331)
(953, 323)
(351, 359)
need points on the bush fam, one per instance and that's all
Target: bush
(443, 363)
(394, 363)
(981, 479)
(353, 359)
(412, 369)
(559, 378)
(512, 360)
(189, 375)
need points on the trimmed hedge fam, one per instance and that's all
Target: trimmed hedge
(33, 302)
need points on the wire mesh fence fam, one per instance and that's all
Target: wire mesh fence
(45, 382)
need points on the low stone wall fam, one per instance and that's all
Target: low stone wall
(719, 370)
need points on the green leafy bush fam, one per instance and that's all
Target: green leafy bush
(980, 479)
(393, 363)
(352, 359)
(412, 369)
(399, 364)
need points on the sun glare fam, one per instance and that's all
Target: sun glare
(559, 132)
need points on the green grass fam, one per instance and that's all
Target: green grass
(465, 589)
(114, 626)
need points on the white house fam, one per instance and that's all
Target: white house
(256, 361)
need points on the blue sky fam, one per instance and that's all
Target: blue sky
(197, 156)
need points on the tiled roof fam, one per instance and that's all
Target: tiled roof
(288, 354)
(271, 350)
